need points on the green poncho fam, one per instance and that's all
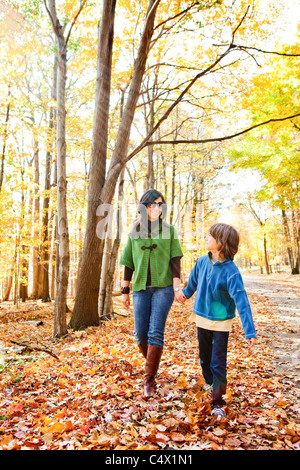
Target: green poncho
(159, 249)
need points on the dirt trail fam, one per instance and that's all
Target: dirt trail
(285, 296)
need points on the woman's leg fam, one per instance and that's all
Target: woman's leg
(142, 311)
(161, 302)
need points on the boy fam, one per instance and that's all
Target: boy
(220, 290)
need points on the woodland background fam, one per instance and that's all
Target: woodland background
(159, 94)
(99, 101)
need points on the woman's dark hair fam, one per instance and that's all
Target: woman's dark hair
(227, 238)
(149, 197)
(140, 226)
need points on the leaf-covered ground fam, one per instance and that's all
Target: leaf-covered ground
(91, 396)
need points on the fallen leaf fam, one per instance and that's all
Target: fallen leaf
(233, 442)
(177, 437)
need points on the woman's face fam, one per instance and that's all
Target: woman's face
(154, 209)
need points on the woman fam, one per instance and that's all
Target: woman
(153, 254)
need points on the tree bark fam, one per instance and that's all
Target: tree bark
(60, 324)
(149, 124)
(24, 250)
(109, 276)
(63, 252)
(9, 283)
(288, 238)
(45, 248)
(85, 312)
(36, 218)
(4, 143)
(295, 224)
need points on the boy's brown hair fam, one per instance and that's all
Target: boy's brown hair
(227, 238)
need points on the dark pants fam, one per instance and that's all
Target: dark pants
(213, 360)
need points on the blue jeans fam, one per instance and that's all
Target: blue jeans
(213, 360)
(151, 308)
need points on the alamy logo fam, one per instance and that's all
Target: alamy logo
(188, 221)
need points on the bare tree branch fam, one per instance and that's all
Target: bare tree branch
(187, 88)
(51, 10)
(219, 139)
(52, 16)
(181, 13)
(175, 103)
(74, 20)
(239, 25)
(24, 344)
(252, 48)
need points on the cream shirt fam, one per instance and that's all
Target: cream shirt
(214, 325)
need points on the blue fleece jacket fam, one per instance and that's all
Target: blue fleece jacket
(219, 291)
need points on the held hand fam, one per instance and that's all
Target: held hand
(180, 297)
(252, 342)
(126, 300)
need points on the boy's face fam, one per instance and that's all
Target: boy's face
(210, 243)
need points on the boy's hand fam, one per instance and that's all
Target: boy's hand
(252, 342)
(180, 297)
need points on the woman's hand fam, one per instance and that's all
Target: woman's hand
(126, 300)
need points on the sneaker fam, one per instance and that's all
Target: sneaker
(208, 388)
(219, 413)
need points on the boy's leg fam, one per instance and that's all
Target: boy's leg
(219, 367)
(205, 339)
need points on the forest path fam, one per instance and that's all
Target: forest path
(285, 297)
(90, 396)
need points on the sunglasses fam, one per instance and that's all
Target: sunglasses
(153, 205)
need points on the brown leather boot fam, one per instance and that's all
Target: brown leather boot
(152, 363)
(143, 348)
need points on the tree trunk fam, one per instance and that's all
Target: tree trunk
(53, 256)
(36, 217)
(23, 274)
(295, 269)
(149, 122)
(63, 252)
(174, 164)
(85, 312)
(54, 237)
(104, 281)
(60, 323)
(24, 250)
(4, 143)
(173, 185)
(266, 255)
(288, 239)
(9, 282)
(45, 234)
(107, 275)
(45, 248)
(107, 298)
